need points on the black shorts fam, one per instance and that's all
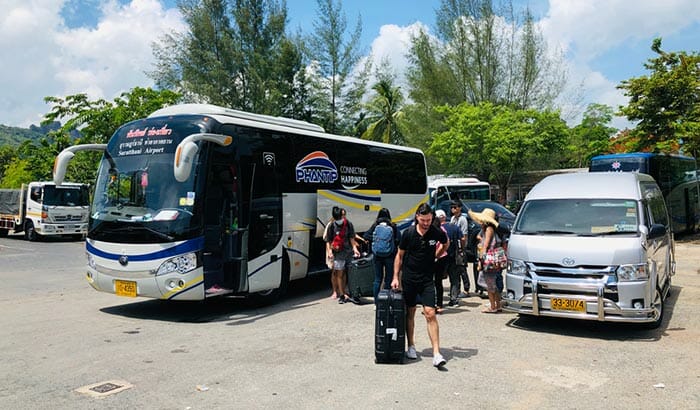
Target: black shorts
(413, 291)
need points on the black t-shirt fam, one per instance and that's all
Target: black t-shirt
(419, 257)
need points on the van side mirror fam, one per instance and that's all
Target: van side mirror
(656, 231)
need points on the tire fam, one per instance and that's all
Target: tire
(29, 232)
(271, 296)
(3, 233)
(658, 303)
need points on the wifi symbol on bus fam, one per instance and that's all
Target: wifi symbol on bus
(269, 158)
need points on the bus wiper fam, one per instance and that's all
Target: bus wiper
(159, 234)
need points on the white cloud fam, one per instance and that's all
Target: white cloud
(586, 30)
(42, 57)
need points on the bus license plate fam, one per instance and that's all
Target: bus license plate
(126, 288)
(568, 304)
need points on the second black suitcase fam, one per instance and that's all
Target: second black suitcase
(361, 277)
(390, 327)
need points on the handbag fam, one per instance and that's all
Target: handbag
(481, 280)
(495, 258)
(460, 260)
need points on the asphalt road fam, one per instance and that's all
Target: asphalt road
(58, 335)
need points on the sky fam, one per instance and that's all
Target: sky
(104, 47)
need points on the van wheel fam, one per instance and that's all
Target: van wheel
(658, 305)
(29, 232)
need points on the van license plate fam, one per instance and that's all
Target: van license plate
(125, 288)
(568, 304)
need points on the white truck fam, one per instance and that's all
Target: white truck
(45, 209)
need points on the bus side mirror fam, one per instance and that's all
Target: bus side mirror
(187, 149)
(184, 156)
(60, 164)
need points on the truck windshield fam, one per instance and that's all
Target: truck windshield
(137, 198)
(584, 217)
(66, 196)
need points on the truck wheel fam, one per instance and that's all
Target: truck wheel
(658, 304)
(3, 233)
(29, 232)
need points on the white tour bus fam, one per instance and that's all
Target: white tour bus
(443, 190)
(199, 200)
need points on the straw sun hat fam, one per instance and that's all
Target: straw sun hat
(487, 216)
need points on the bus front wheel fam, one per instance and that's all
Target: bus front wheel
(273, 295)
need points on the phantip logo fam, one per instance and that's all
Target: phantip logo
(316, 168)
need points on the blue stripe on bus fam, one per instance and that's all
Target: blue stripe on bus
(191, 245)
(355, 195)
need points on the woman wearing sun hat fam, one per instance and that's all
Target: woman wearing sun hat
(489, 222)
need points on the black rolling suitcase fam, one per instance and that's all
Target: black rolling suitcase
(390, 327)
(361, 277)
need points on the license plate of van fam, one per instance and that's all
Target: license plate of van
(125, 288)
(573, 305)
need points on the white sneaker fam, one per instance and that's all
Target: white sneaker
(411, 352)
(438, 360)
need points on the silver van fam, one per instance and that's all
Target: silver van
(595, 246)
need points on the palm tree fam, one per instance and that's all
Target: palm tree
(384, 113)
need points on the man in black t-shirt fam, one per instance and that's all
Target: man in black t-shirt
(414, 271)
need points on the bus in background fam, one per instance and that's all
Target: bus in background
(443, 190)
(198, 200)
(675, 174)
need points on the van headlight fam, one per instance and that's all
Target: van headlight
(633, 272)
(180, 264)
(517, 267)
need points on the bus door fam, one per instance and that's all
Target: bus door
(262, 220)
(224, 255)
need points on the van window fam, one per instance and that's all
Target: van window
(584, 217)
(655, 202)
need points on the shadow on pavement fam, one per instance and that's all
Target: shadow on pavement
(236, 311)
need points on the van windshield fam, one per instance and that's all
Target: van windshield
(583, 217)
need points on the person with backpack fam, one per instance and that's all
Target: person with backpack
(384, 236)
(341, 247)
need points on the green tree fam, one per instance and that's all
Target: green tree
(497, 142)
(337, 55)
(666, 103)
(16, 174)
(96, 121)
(592, 136)
(235, 54)
(8, 155)
(480, 55)
(384, 110)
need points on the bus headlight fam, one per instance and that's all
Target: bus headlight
(180, 264)
(517, 267)
(633, 272)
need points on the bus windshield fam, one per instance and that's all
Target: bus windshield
(137, 198)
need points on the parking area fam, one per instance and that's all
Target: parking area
(307, 351)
